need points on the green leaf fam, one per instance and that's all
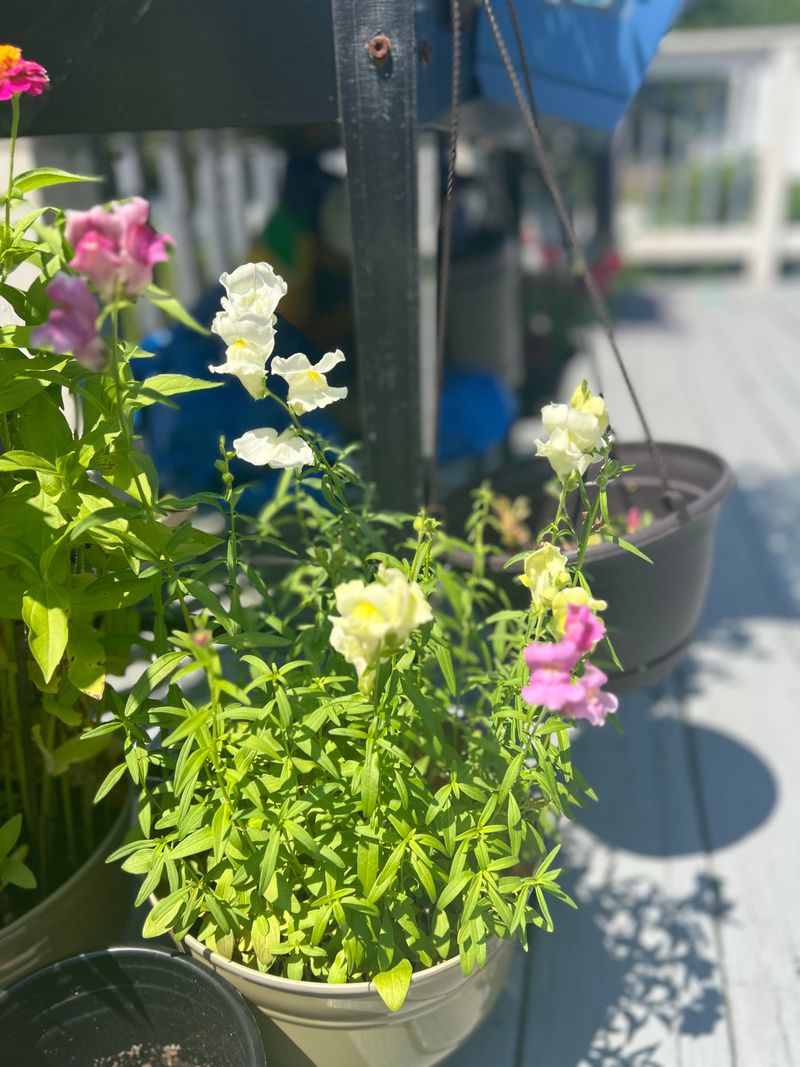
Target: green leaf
(510, 777)
(43, 177)
(153, 390)
(15, 872)
(110, 781)
(370, 780)
(446, 664)
(199, 841)
(17, 460)
(159, 921)
(172, 307)
(367, 864)
(269, 860)
(631, 548)
(9, 834)
(155, 674)
(393, 985)
(452, 889)
(45, 611)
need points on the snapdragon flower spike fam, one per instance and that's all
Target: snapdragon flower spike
(551, 684)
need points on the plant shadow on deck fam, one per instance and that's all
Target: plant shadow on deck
(633, 967)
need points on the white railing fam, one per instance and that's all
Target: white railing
(709, 157)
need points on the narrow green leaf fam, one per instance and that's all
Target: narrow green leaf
(43, 177)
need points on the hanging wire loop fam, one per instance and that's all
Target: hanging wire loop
(672, 497)
(445, 252)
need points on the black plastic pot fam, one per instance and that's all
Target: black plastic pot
(127, 1007)
(652, 610)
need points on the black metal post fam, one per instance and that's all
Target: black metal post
(376, 65)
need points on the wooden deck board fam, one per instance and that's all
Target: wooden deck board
(686, 949)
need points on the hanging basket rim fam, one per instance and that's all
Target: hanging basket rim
(704, 500)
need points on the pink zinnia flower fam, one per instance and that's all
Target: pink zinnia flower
(70, 326)
(582, 627)
(116, 248)
(594, 705)
(18, 75)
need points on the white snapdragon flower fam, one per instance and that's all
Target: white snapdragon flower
(268, 448)
(376, 620)
(253, 289)
(308, 386)
(247, 324)
(250, 341)
(576, 432)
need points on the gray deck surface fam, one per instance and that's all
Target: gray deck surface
(686, 949)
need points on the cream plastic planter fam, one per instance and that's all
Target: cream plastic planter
(312, 1024)
(90, 910)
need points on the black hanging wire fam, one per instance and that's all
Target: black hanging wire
(672, 498)
(445, 252)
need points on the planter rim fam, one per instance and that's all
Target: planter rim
(707, 500)
(67, 886)
(223, 990)
(306, 988)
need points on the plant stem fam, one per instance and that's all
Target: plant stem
(127, 438)
(5, 433)
(586, 531)
(11, 153)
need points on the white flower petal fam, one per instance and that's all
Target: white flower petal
(253, 288)
(308, 386)
(266, 447)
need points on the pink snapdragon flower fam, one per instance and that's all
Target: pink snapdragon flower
(116, 248)
(551, 667)
(18, 75)
(582, 627)
(71, 325)
(551, 684)
(594, 705)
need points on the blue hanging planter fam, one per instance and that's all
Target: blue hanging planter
(587, 57)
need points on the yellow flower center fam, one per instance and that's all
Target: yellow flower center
(315, 377)
(9, 57)
(366, 612)
(239, 343)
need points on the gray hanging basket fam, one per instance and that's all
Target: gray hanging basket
(652, 610)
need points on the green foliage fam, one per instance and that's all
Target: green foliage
(82, 542)
(311, 829)
(721, 13)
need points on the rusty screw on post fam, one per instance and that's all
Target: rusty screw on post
(379, 48)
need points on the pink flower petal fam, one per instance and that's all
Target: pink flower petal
(583, 628)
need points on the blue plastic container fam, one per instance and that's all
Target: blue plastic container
(587, 57)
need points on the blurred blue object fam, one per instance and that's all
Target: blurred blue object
(476, 415)
(587, 57)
